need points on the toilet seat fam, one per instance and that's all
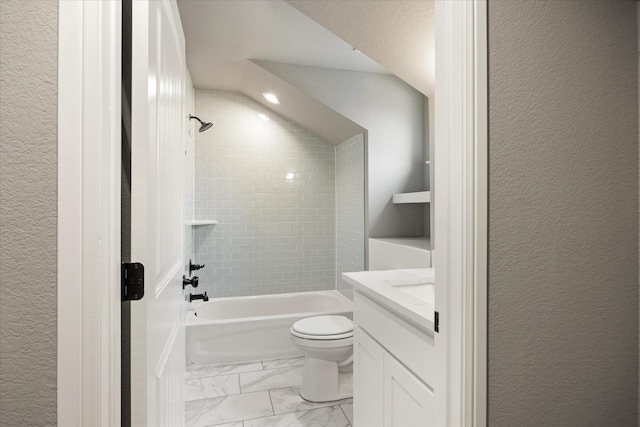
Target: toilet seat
(322, 337)
(323, 328)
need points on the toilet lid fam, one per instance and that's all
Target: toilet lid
(323, 325)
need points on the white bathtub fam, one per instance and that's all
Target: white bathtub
(238, 329)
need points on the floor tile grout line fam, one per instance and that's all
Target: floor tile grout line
(215, 397)
(313, 409)
(271, 400)
(214, 376)
(260, 362)
(274, 374)
(298, 386)
(274, 369)
(345, 415)
(241, 420)
(220, 375)
(257, 418)
(308, 409)
(208, 398)
(304, 410)
(240, 385)
(224, 396)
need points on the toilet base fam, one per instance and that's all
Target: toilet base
(321, 381)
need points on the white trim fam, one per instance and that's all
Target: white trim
(69, 198)
(461, 211)
(89, 213)
(481, 214)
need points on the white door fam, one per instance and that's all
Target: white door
(159, 125)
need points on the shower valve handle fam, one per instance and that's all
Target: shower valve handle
(193, 267)
(193, 281)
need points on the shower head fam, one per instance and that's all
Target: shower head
(203, 125)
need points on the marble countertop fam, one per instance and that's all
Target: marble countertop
(385, 286)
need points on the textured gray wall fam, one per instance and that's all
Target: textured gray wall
(563, 208)
(28, 189)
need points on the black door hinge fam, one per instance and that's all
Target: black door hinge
(132, 281)
(436, 322)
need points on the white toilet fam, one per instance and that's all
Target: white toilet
(327, 342)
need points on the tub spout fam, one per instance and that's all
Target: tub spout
(203, 297)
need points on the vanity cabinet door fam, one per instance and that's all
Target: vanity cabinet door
(408, 402)
(367, 380)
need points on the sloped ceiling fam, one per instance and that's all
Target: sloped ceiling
(222, 34)
(296, 105)
(225, 37)
(399, 35)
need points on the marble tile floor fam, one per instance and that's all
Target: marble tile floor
(259, 394)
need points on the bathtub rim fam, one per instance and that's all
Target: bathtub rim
(193, 320)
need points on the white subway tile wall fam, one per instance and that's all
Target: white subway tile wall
(271, 187)
(349, 210)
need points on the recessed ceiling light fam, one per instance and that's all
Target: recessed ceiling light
(271, 98)
(263, 116)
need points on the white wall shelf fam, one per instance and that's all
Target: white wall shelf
(195, 223)
(417, 197)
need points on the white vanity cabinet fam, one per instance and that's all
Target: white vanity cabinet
(393, 369)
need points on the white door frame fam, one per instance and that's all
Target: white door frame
(89, 164)
(461, 215)
(89, 209)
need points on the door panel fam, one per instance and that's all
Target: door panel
(408, 402)
(367, 379)
(158, 131)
